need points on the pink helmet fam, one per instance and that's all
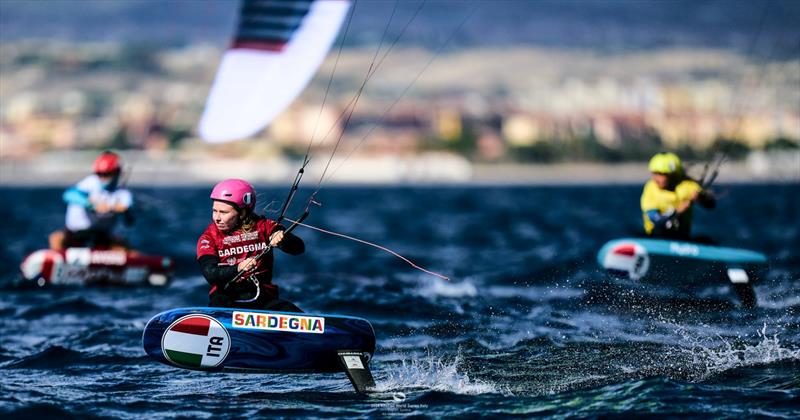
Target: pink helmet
(235, 191)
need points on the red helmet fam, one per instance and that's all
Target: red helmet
(107, 163)
(236, 191)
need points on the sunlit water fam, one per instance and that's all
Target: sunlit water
(520, 329)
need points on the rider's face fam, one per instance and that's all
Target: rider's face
(225, 216)
(662, 180)
(107, 178)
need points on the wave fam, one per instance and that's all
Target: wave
(72, 305)
(58, 357)
(120, 335)
(434, 288)
(780, 292)
(43, 411)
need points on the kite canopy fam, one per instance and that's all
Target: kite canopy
(278, 48)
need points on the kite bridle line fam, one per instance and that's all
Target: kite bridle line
(708, 178)
(347, 113)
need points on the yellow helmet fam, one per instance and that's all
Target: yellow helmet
(666, 163)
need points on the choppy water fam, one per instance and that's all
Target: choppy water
(519, 331)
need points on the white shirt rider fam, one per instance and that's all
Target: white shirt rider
(91, 206)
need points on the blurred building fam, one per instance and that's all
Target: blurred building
(57, 96)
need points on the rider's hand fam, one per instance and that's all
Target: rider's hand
(119, 208)
(247, 264)
(683, 206)
(276, 238)
(102, 208)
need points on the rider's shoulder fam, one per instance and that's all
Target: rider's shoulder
(688, 184)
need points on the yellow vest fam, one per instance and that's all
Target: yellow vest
(654, 198)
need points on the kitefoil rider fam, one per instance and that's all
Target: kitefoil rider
(668, 196)
(94, 206)
(227, 251)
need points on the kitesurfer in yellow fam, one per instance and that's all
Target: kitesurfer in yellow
(668, 197)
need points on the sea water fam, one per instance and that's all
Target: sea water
(519, 330)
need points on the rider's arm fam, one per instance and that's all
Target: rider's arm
(77, 197)
(650, 207)
(291, 244)
(216, 274)
(706, 199)
(689, 191)
(124, 201)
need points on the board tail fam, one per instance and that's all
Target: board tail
(356, 365)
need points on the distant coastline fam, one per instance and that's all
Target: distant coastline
(170, 169)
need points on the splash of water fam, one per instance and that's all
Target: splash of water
(732, 355)
(436, 374)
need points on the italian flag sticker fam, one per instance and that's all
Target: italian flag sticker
(196, 342)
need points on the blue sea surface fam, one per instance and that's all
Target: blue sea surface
(519, 330)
